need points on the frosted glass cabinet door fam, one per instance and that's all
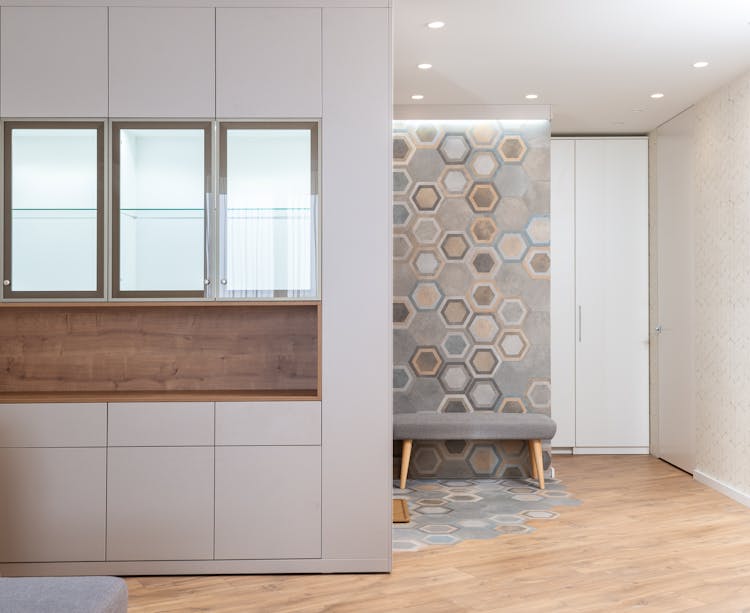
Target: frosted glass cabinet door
(161, 177)
(53, 210)
(268, 209)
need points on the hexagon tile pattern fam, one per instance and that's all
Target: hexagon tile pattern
(471, 288)
(448, 511)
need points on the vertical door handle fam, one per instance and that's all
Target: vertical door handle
(579, 323)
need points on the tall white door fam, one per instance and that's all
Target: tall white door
(674, 338)
(611, 183)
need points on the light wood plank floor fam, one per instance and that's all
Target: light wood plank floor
(646, 537)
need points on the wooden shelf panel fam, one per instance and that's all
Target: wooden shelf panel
(104, 349)
(194, 396)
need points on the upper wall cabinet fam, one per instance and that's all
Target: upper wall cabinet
(53, 62)
(161, 62)
(254, 47)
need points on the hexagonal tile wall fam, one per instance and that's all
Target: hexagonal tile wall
(512, 149)
(512, 246)
(446, 512)
(454, 149)
(426, 197)
(426, 296)
(483, 328)
(403, 312)
(484, 460)
(427, 264)
(484, 361)
(484, 395)
(483, 164)
(455, 181)
(402, 149)
(513, 345)
(455, 312)
(426, 231)
(426, 362)
(512, 311)
(454, 378)
(471, 267)
(483, 230)
(539, 394)
(537, 262)
(455, 345)
(538, 230)
(483, 197)
(484, 297)
(454, 246)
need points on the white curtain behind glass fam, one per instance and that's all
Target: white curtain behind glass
(270, 214)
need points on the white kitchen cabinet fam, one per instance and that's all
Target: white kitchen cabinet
(161, 62)
(53, 61)
(610, 293)
(256, 45)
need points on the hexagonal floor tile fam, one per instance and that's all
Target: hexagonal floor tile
(426, 361)
(538, 514)
(438, 528)
(528, 497)
(458, 497)
(440, 539)
(506, 518)
(434, 510)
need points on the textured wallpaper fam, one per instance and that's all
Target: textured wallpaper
(471, 282)
(722, 284)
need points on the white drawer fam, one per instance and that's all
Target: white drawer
(64, 424)
(160, 424)
(268, 423)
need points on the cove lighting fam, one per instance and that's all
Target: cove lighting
(436, 25)
(417, 97)
(700, 64)
(657, 95)
(532, 96)
(424, 66)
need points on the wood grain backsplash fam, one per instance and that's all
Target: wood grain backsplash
(143, 348)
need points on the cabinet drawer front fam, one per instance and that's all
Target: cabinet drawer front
(52, 505)
(268, 423)
(53, 425)
(160, 424)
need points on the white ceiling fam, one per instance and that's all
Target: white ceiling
(593, 61)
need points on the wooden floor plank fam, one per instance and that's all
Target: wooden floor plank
(645, 537)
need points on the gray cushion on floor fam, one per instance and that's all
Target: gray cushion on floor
(63, 595)
(472, 426)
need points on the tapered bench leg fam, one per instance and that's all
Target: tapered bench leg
(536, 450)
(405, 456)
(532, 460)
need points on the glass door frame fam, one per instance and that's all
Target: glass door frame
(141, 124)
(28, 124)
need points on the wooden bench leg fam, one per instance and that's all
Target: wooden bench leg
(532, 460)
(536, 449)
(405, 456)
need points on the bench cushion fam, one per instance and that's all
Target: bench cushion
(63, 595)
(472, 426)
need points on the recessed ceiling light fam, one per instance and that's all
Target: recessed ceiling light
(532, 96)
(424, 66)
(638, 110)
(700, 64)
(436, 25)
(618, 123)
(417, 97)
(657, 95)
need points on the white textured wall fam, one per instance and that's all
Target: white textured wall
(722, 285)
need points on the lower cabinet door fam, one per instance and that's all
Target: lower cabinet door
(160, 503)
(268, 502)
(52, 504)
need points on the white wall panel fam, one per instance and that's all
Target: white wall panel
(268, 62)
(161, 62)
(53, 61)
(356, 237)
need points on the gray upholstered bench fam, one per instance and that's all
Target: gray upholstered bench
(63, 595)
(531, 427)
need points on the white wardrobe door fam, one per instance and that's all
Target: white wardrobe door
(612, 293)
(562, 291)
